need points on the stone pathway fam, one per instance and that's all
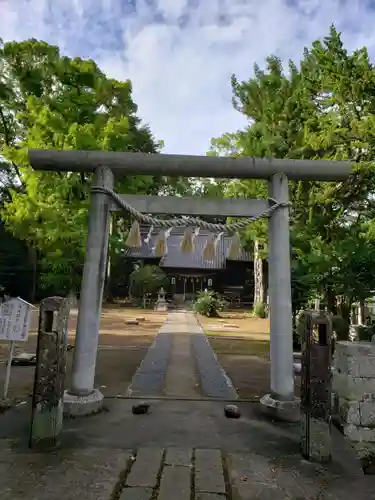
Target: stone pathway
(170, 473)
(181, 363)
(176, 473)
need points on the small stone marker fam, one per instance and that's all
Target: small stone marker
(140, 408)
(47, 404)
(232, 411)
(140, 318)
(315, 329)
(230, 325)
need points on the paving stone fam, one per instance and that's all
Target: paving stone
(178, 456)
(209, 476)
(209, 496)
(136, 494)
(175, 483)
(146, 467)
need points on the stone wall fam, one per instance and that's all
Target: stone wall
(354, 385)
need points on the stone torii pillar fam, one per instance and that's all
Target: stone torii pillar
(82, 398)
(281, 401)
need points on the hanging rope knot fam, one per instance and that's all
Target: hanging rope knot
(187, 245)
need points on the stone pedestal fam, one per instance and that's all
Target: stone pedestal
(161, 306)
(80, 406)
(273, 407)
(354, 385)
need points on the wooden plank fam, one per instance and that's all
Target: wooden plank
(229, 207)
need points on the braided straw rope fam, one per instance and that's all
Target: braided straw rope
(188, 221)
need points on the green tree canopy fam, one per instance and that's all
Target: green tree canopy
(322, 108)
(51, 101)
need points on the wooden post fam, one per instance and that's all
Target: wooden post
(316, 332)
(47, 404)
(9, 367)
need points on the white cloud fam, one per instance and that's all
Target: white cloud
(180, 54)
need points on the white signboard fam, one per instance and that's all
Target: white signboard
(15, 320)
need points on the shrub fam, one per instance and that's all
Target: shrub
(209, 304)
(260, 310)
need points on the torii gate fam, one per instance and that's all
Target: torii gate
(82, 398)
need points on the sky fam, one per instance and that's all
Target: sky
(180, 54)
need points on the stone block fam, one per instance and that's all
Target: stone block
(146, 468)
(363, 449)
(175, 483)
(354, 349)
(359, 434)
(367, 413)
(349, 412)
(179, 456)
(352, 388)
(363, 366)
(136, 494)
(358, 366)
(209, 496)
(209, 475)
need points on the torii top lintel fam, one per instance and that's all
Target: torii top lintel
(188, 166)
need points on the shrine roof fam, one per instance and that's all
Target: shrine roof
(175, 258)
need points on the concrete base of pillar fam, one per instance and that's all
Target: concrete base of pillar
(80, 406)
(289, 411)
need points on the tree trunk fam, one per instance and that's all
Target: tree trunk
(361, 313)
(345, 307)
(331, 301)
(258, 276)
(33, 257)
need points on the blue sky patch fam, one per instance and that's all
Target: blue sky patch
(180, 54)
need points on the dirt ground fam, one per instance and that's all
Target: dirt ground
(235, 322)
(241, 342)
(121, 349)
(246, 361)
